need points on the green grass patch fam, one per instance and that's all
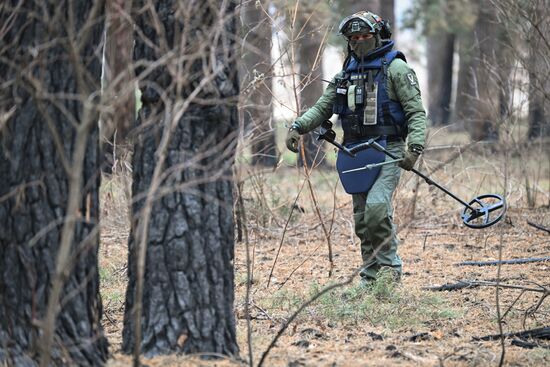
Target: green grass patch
(111, 290)
(383, 303)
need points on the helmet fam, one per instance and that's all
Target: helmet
(364, 22)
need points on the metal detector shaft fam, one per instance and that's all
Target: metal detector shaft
(373, 165)
(428, 180)
(339, 146)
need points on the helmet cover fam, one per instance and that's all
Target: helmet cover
(360, 23)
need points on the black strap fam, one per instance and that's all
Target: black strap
(358, 132)
(384, 66)
(370, 80)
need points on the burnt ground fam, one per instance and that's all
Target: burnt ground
(386, 324)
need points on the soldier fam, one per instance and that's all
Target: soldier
(375, 95)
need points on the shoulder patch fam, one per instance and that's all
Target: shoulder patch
(412, 79)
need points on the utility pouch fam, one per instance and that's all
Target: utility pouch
(370, 114)
(351, 97)
(341, 96)
(359, 95)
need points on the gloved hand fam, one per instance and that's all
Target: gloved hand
(411, 155)
(292, 139)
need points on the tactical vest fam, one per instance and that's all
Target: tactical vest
(362, 101)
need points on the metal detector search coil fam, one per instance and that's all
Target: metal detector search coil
(481, 212)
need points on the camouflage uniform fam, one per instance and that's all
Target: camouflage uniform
(373, 212)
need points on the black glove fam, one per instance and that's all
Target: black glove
(411, 155)
(292, 139)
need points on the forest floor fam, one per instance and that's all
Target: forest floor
(386, 324)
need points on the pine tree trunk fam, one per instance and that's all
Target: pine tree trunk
(119, 119)
(465, 93)
(539, 70)
(487, 102)
(256, 78)
(440, 76)
(539, 112)
(387, 12)
(188, 293)
(41, 79)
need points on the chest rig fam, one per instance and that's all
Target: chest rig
(362, 101)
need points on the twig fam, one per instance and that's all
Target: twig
(298, 267)
(333, 208)
(248, 282)
(503, 262)
(531, 310)
(63, 265)
(318, 211)
(263, 311)
(497, 300)
(284, 232)
(424, 244)
(538, 333)
(513, 304)
(538, 226)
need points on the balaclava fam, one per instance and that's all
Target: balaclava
(363, 47)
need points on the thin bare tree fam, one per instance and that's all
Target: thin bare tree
(256, 81)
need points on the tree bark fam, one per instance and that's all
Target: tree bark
(440, 75)
(387, 12)
(465, 92)
(256, 78)
(188, 292)
(487, 105)
(119, 85)
(538, 108)
(46, 81)
(539, 66)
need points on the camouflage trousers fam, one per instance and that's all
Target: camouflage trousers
(373, 215)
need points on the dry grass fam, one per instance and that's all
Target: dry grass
(385, 325)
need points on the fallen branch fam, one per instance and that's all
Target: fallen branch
(538, 226)
(496, 262)
(451, 286)
(539, 333)
(528, 345)
(479, 283)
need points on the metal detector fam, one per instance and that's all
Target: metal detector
(481, 212)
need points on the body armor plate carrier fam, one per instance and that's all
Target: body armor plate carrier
(362, 101)
(366, 110)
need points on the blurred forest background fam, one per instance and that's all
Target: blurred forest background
(148, 206)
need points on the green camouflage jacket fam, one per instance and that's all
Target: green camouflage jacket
(401, 88)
